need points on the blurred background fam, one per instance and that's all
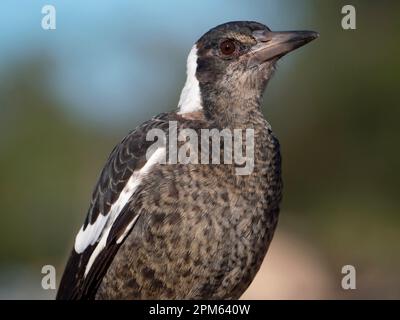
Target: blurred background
(67, 96)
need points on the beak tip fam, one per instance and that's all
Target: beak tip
(309, 35)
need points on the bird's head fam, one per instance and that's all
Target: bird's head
(236, 59)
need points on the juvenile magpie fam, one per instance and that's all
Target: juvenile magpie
(159, 230)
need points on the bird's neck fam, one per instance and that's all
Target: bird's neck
(233, 112)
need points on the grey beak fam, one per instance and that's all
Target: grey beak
(272, 45)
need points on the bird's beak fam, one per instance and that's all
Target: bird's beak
(272, 45)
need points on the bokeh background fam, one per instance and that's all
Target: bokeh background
(67, 96)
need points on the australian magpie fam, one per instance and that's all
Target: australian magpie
(160, 229)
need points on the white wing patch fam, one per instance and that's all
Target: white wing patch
(89, 236)
(190, 99)
(100, 229)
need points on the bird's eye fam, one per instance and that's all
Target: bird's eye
(227, 47)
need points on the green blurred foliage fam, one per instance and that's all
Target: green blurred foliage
(47, 162)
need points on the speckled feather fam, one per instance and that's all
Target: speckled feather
(199, 236)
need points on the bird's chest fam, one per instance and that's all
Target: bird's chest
(227, 225)
(204, 233)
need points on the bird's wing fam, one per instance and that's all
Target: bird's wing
(110, 217)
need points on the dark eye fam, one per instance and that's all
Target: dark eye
(227, 47)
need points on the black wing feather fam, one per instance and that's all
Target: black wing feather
(123, 160)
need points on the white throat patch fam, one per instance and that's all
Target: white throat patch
(190, 99)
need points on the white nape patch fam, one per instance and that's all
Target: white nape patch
(124, 197)
(190, 99)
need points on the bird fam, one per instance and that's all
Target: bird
(169, 230)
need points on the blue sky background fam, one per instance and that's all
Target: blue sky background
(112, 59)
